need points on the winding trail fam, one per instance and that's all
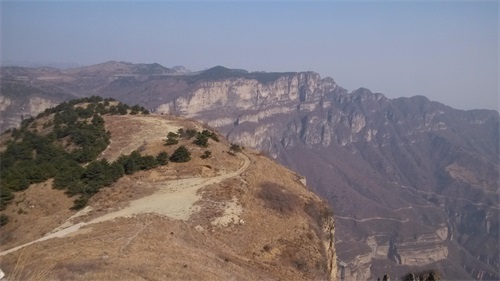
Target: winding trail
(370, 219)
(414, 206)
(175, 199)
(493, 206)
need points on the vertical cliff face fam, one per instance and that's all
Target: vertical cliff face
(13, 111)
(412, 182)
(250, 94)
(386, 166)
(236, 103)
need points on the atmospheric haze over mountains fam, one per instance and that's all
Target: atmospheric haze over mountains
(447, 51)
(388, 109)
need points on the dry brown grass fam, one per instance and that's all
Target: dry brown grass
(276, 240)
(24, 268)
(33, 213)
(278, 198)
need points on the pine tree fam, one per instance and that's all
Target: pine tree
(181, 154)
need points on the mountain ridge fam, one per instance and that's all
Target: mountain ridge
(403, 159)
(233, 213)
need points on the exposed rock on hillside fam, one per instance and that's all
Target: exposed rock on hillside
(405, 175)
(395, 165)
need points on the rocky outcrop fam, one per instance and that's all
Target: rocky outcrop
(423, 251)
(13, 111)
(390, 138)
(253, 99)
(417, 175)
(329, 245)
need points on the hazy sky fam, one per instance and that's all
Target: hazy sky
(447, 51)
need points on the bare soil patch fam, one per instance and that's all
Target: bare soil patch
(129, 133)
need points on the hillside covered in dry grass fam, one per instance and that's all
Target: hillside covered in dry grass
(221, 212)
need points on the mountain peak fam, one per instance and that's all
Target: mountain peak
(180, 69)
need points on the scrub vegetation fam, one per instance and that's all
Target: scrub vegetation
(64, 143)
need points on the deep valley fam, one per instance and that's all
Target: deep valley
(413, 183)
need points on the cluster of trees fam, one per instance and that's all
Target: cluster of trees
(34, 158)
(201, 138)
(100, 173)
(187, 134)
(89, 138)
(123, 109)
(182, 154)
(68, 152)
(96, 104)
(78, 136)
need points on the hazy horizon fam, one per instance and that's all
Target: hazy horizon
(446, 51)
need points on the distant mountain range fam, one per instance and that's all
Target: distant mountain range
(412, 182)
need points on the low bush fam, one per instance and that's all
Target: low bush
(172, 138)
(80, 202)
(235, 148)
(207, 154)
(171, 141)
(201, 140)
(188, 134)
(4, 219)
(162, 158)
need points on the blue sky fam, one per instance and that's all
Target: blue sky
(447, 51)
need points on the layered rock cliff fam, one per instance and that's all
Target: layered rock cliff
(413, 182)
(388, 166)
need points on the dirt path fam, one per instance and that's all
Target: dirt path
(493, 206)
(374, 218)
(175, 199)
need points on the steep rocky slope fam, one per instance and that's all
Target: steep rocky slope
(413, 182)
(232, 215)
